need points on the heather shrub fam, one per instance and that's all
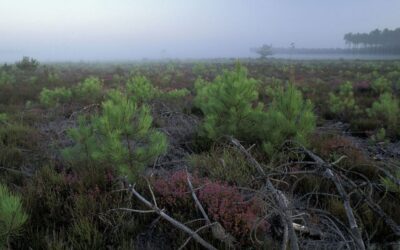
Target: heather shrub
(223, 203)
(386, 110)
(51, 98)
(12, 216)
(17, 142)
(381, 85)
(84, 235)
(120, 136)
(224, 164)
(343, 104)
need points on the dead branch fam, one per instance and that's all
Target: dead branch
(217, 230)
(171, 220)
(330, 174)
(280, 199)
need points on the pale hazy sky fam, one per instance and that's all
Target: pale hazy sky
(133, 29)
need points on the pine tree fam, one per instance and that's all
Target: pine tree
(228, 104)
(121, 136)
(289, 117)
(12, 215)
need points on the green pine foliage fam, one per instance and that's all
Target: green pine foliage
(141, 90)
(381, 85)
(12, 215)
(52, 98)
(386, 110)
(289, 117)
(6, 78)
(343, 104)
(229, 104)
(121, 136)
(90, 90)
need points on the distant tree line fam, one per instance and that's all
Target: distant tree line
(378, 41)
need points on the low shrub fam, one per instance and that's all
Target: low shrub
(386, 110)
(121, 136)
(381, 85)
(228, 105)
(52, 98)
(12, 216)
(343, 104)
(223, 203)
(288, 117)
(6, 78)
(140, 89)
(224, 164)
(89, 91)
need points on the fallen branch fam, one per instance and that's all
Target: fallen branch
(329, 173)
(280, 199)
(171, 220)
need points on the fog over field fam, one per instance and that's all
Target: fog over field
(53, 30)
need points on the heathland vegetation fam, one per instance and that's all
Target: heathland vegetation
(261, 154)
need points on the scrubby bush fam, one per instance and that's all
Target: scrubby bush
(17, 143)
(224, 164)
(289, 117)
(343, 104)
(141, 89)
(121, 136)
(6, 78)
(386, 110)
(27, 64)
(228, 104)
(54, 97)
(12, 215)
(90, 90)
(224, 203)
(381, 85)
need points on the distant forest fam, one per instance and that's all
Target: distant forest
(381, 40)
(375, 42)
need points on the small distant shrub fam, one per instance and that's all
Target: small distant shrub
(381, 85)
(3, 117)
(379, 136)
(27, 64)
(343, 104)
(141, 89)
(386, 110)
(17, 142)
(52, 98)
(12, 215)
(121, 136)
(53, 77)
(175, 94)
(6, 78)
(90, 90)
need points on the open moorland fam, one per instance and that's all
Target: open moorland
(218, 154)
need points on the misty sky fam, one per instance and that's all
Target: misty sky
(132, 29)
